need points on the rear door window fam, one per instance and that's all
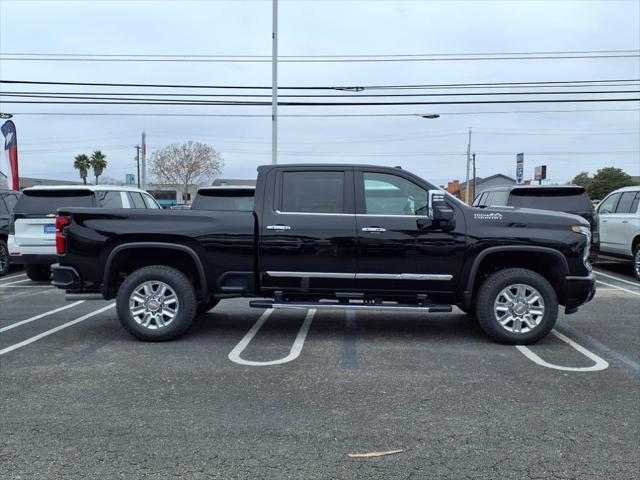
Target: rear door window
(110, 199)
(634, 205)
(559, 200)
(625, 203)
(136, 200)
(313, 192)
(48, 201)
(499, 198)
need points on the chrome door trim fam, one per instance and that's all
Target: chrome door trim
(317, 213)
(403, 276)
(279, 274)
(362, 276)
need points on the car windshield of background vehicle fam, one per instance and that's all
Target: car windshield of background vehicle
(150, 202)
(313, 192)
(136, 200)
(392, 195)
(48, 201)
(234, 200)
(559, 201)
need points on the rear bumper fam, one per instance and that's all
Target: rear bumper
(66, 278)
(33, 259)
(579, 290)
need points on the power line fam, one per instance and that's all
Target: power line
(314, 115)
(322, 104)
(111, 95)
(336, 87)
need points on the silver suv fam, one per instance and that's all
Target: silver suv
(619, 218)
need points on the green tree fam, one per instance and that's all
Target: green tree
(82, 164)
(99, 163)
(606, 180)
(583, 179)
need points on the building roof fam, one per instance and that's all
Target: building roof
(233, 182)
(480, 181)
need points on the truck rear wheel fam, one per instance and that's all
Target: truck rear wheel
(516, 306)
(156, 303)
(4, 258)
(38, 273)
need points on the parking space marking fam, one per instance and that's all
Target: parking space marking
(9, 277)
(38, 317)
(599, 363)
(54, 330)
(13, 283)
(601, 346)
(294, 353)
(635, 284)
(618, 288)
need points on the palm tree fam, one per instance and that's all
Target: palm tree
(82, 163)
(99, 163)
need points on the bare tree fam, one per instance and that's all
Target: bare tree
(186, 164)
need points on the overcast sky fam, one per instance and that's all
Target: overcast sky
(434, 149)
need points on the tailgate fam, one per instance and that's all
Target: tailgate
(35, 231)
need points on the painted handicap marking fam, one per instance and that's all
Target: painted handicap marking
(294, 353)
(599, 363)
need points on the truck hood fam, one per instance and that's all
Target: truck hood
(527, 216)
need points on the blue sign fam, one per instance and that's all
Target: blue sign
(129, 179)
(519, 167)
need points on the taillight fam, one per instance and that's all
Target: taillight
(61, 222)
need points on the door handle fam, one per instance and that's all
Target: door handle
(374, 229)
(278, 227)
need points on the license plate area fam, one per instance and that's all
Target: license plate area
(49, 229)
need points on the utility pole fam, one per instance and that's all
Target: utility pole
(143, 169)
(137, 147)
(274, 85)
(473, 157)
(466, 192)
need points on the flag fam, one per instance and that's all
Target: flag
(11, 146)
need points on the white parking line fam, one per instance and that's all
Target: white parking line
(9, 277)
(635, 284)
(618, 288)
(13, 283)
(38, 317)
(599, 363)
(54, 330)
(294, 353)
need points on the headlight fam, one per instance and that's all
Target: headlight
(586, 231)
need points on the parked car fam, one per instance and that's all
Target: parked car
(331, 237)
(32, 239)
(559, 198)
(225, 198)
(619, 217)
(8, 199)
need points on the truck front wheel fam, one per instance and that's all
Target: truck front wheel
(156, 303)
(516, 306)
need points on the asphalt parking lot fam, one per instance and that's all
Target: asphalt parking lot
(258, 394)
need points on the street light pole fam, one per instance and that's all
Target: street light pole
(137, 147)
(274, 85)
(466, 192)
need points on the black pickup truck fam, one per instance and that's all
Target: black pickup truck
(335, 237)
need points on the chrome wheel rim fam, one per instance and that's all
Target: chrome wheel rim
(153, 305)
(519, 308)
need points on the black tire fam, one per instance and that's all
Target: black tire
(38, 273)
(5, 264)
(186, 303)
(205, 307)
(491, 289)
(636, 261)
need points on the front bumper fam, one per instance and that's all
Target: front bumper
(579, 290)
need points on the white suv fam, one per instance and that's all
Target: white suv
(32, 239)
(619, 219)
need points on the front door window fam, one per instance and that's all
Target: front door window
(391, 195)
